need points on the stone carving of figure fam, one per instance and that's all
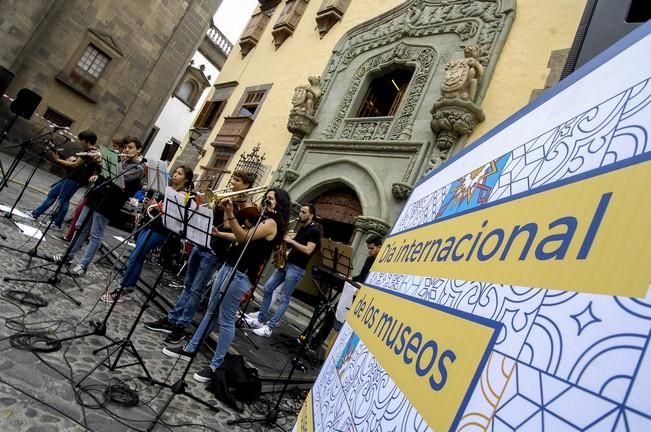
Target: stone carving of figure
(462, 75)
(306, 96)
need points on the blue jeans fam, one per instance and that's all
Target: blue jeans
(200, 266)
(96, 231)
(63, 190)
(290, 276)
(227, 314)
(148, 240)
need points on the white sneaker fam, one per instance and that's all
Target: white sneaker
(252, 322)
(263, 331)
(29, 215)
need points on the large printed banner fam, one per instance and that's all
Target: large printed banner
(513, 290)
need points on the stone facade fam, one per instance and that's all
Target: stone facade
(380, 158)
(149, 44)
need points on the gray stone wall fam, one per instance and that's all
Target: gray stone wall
(156, 40)
(18, 20)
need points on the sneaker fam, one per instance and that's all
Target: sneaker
(179, 353)
(57, 258)
(204, 375)
(263, 331)
(252, 322)
(78, 270)
(176, 336)
(162, 326)
(116, 296)
(56, 228)
(30, 215)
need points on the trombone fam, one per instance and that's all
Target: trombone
(212, 197)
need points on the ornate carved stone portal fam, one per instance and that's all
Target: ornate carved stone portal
(450, 48)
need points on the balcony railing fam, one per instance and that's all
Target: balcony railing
(232, 133)
(220, 40)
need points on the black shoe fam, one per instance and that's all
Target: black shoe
(178, 353)
(204, 375)
(177, 335)
(162, 326)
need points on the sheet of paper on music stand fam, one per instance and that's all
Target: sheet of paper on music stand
(200, 225)
(174, 206)
(336, 256)
(345, 301)
(199, 218)
(111, 166)
(157, 175)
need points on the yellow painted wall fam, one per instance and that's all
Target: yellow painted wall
(300, 56)
(540, 27)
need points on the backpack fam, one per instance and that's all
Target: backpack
(233, 381)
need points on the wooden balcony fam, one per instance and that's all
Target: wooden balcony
(232, 133)
(288, 21)
(329, 14)
(253, 32)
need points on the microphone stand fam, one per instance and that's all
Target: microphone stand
(55, 279)
(179, 387)
(19, 156)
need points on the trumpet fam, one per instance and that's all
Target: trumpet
(211, 198)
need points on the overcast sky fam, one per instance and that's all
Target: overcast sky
(232, 16)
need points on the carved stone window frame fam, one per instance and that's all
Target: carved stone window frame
(344, 125)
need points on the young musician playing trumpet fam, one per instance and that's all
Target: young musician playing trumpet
(261, 241)
(302, 245)
(149, 238)
(201, 265)
(81, 167)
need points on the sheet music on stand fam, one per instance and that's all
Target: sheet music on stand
(192, 222)
(337, 256)
(157, 177)
(111, 167)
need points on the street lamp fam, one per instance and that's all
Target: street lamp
(195, 134)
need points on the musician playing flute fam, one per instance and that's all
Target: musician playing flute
(302, 247)
(81, 168)
(104, 204)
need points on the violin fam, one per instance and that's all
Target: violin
(245, 210)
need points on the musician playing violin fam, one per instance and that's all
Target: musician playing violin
(201, 265)
(254, 245)
(81, 169)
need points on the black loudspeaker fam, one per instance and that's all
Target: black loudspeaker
(5, 79)
(25, 103)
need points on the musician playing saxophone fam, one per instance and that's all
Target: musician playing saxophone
(302, 247)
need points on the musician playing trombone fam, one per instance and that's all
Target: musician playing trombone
(201, 265)
(302, 246)
(81, 169)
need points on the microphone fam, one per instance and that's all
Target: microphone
(267, 202)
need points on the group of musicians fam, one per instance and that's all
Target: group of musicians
(242, 242)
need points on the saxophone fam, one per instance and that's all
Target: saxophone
(280, 255)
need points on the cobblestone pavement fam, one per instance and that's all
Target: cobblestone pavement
(38, 390)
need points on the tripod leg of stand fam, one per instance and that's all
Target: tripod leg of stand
(271, 417)
(24, 188)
